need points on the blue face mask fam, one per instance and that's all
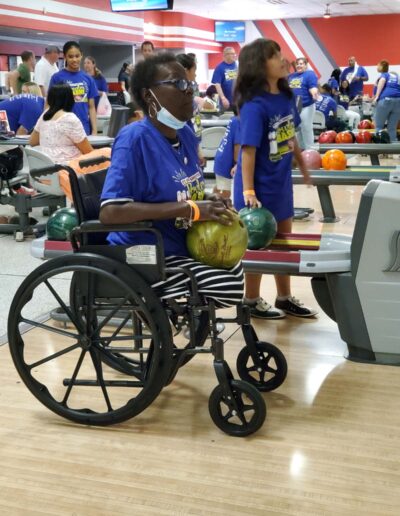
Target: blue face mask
(167, 118)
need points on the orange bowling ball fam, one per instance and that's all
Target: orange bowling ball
(334, 160)
(344, 137)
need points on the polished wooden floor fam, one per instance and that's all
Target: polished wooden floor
(330, 444)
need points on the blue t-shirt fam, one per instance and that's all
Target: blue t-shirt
(224, 159)
(326, 104)
(83, 89)
(23, 109)
(392, 85)
(145, 167)
(101, 85)
(268, 122)
(301, 84)
(356, 87)
(225, 74)
(332, 82)
(344, 100)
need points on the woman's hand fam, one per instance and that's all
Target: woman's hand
(216, 196)
(215, 210)
(251, 200)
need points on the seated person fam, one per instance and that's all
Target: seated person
(61, 135)
(155, 175)
(353, 117)
(211, 100)
(23, 111)
(325, 103)
(226, 158)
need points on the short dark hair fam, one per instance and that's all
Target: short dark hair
(186, 61)
(26, 54)
(70, 44)
(60, 96)
(211, 90)
(145, 74)
(326, 88)
(147, 42)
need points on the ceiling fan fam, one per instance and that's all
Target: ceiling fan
(327, 14)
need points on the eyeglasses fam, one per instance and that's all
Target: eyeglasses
(181, 84)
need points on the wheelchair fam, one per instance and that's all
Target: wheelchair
(93, 373)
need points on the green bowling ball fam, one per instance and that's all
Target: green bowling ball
(261, 226)
(61, 223)
(217, 245)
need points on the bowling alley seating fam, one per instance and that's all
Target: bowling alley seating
(319, 123)
(210, 140)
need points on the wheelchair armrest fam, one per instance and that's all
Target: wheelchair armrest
(83, 163)
(45, 171)
(95, 226)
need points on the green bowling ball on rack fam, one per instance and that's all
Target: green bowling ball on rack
(261, 226)
(61, 223)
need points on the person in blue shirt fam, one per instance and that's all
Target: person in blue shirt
(226, 157)
(355, 75)
(387, 100)
(83, 86)
(90, 67)
(268, 121)
(23, 111)
(334, 82)
(325, 103)
(304, 83)
(155, 175)
(224, 77)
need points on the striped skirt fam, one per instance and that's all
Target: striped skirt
(224, 286)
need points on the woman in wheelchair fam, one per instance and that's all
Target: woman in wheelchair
(94, 374)
(155, 175)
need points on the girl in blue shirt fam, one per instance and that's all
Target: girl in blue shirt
(226, 157)
(304, 83)
(387, 100)
(155, 175)
(268, 121)
(89, 65)
(83, 86)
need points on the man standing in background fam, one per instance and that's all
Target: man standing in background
(355, 75)
(224, 76)
(46, 67)
(22, 74)
(147, 49)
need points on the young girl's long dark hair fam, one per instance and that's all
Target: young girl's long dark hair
(252, 77)
(60, 96)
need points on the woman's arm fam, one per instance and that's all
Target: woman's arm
(84, 146)
(379, 89)
(131, 212)
(314, 93)
(92, 116)
(34, 139)
(302, 166)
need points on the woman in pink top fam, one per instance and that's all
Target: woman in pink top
(59, 132)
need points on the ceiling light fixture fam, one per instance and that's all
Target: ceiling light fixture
(327, 13)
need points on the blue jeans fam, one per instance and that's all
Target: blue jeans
(388, 110)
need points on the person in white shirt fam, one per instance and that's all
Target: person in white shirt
(46, 67)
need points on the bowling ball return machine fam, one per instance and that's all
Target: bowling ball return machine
(356, 280)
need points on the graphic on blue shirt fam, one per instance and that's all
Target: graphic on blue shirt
(326, 105)
(225, 75)
(224, 159)
(23, 110)
(83, 89)
(145, 167)
(301, 83)
(268, 123)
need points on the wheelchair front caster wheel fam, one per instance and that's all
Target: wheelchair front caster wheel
(269, 373)
(241, 416)
(19, 236)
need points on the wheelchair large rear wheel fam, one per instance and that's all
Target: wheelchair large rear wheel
(65, 367)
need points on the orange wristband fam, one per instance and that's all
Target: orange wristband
(196, 209)
(249, 192)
